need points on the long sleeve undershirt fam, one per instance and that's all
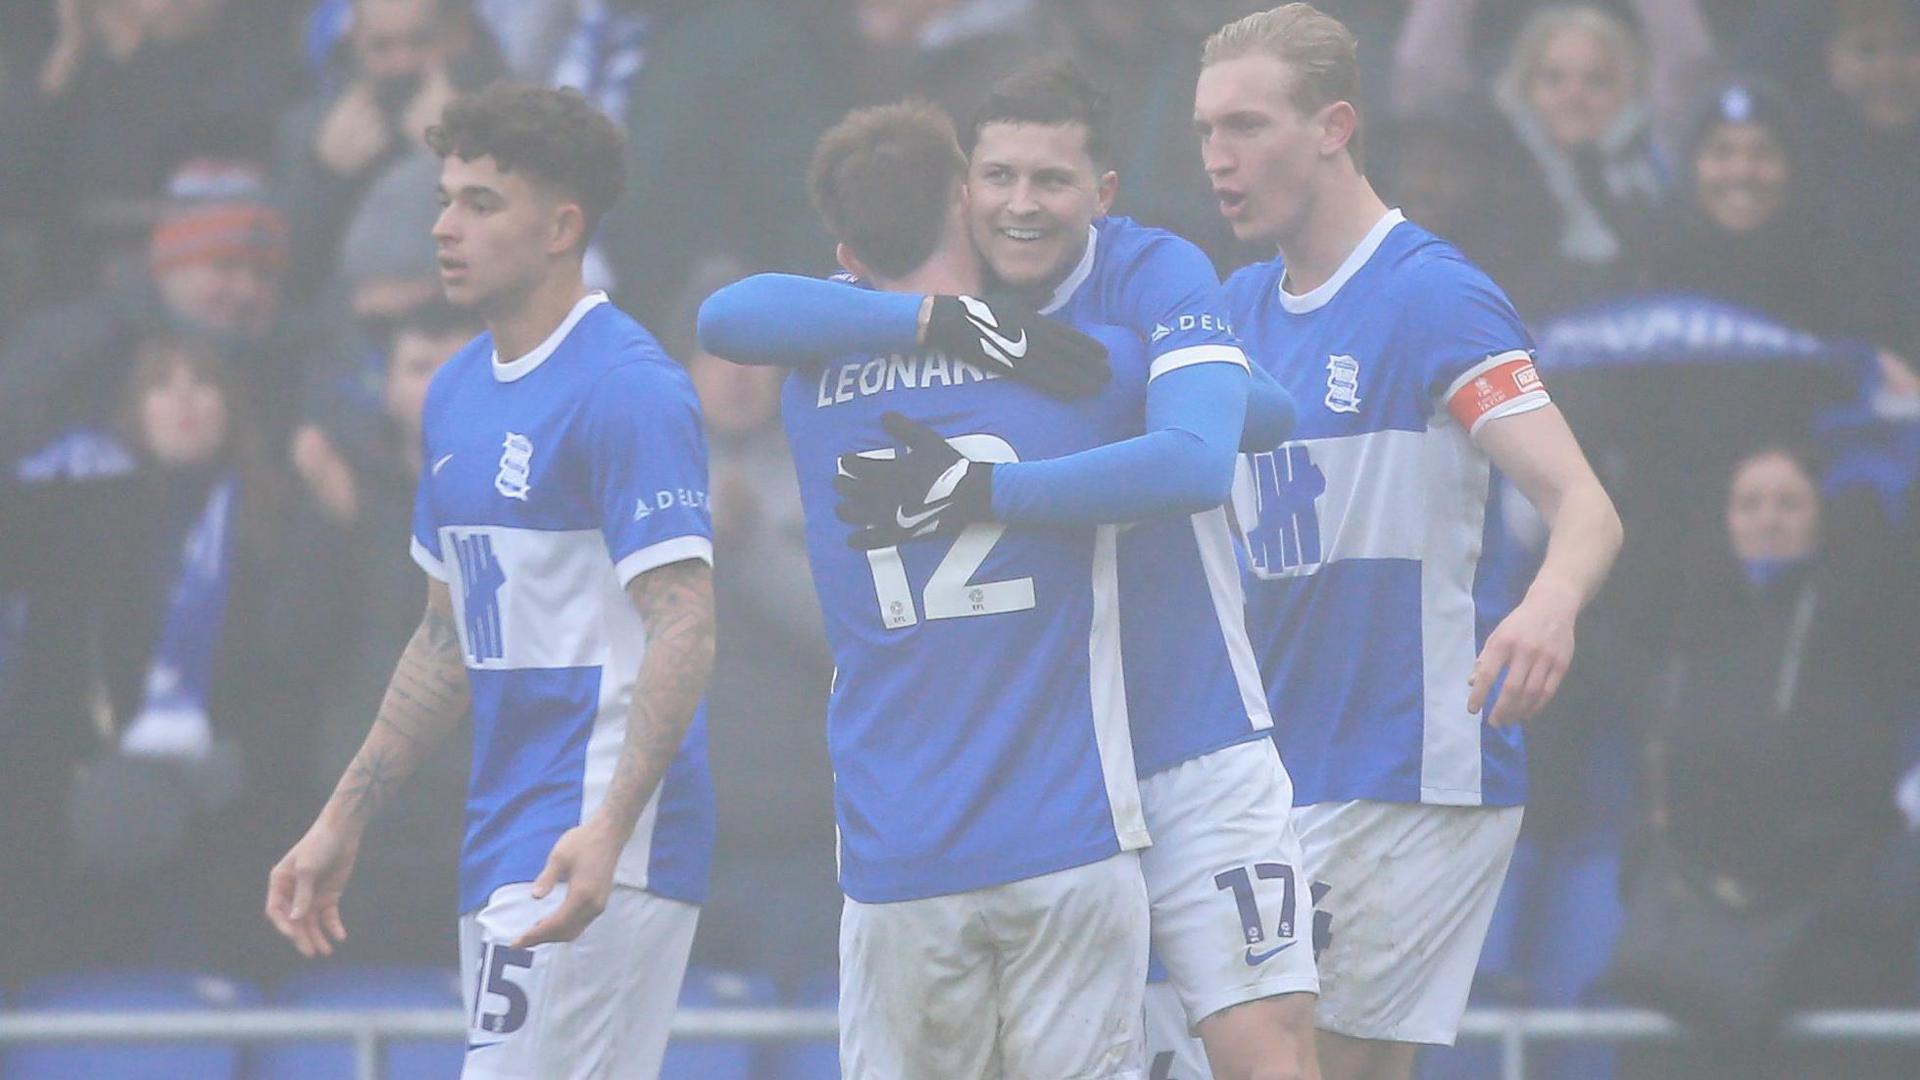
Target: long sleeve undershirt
(1181, 464)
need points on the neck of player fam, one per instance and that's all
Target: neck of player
(1344, 210)
(520, 325)
(953, 267)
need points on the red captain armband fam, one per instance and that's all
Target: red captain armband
(1498, 386)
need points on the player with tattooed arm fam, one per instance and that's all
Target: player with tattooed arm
(562, 523)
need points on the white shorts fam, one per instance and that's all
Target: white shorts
(1040, 979)
(1232, 911)
(1173, 1051)
(1408, 891)
(598, 1006)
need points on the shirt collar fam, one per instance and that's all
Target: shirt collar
(1081, 271)
(519, 368)
(1357, 258)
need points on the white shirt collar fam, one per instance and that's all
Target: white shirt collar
(1081, 270)
(521, 367)
(1357, 258)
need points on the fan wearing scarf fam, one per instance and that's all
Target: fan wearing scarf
(155, 545)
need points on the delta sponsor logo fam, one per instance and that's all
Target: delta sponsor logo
(1181, 324)
(667, 499)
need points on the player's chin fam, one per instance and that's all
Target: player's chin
(1023, 264)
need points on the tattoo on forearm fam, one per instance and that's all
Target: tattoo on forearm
(426, 698)
(676, 604)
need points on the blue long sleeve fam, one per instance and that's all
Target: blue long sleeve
(1271, 413)
(1183, 464)
(785, 320)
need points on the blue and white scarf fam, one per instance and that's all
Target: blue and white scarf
(173, 720)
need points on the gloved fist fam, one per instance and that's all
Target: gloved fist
(926, 487)
(998, 334)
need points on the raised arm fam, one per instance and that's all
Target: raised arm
(786, 321)
(675, 603)
(1432, 60)
(1534, 643)
(426, 698)
(1680, 63)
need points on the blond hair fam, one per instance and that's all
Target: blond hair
(1316, 47)
(1548, 23)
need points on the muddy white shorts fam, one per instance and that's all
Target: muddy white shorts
(1232, 910)
(1408, 891)
(1040, 979)
(598, 1006)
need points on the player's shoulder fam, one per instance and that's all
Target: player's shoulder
(1430, 267)
(474, 359)
(1246, 287)
(1126, 244)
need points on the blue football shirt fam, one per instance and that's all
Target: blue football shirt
(978, 719)
(550, 482)
(1193, 683)
(1373, 546)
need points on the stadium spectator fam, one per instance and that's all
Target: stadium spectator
(1749, 231)
(1771, 762)
(1452, 175)
(720, 119)
(125, 90)
(946, 51)
(388, 272)
(1590, 106)
(214, 266)
(767, 706)
(404, 61)
(184, 702)
(366, 590)
(1867, 154)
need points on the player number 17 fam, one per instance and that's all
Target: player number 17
(951, 592)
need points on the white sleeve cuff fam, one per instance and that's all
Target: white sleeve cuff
(1195, 354)
(435, 569)
(653, 556)
(1536, 400)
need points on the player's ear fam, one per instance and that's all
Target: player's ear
(569, 228)
(1338, 122)
(1109, 187)
(850, 262)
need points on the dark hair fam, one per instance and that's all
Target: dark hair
(244, 448)
(554, 136)
(883, 181)
(1050, 90)
(437, 318)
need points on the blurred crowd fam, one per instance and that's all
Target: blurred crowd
(219, 310)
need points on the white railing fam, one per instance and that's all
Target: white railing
(368, 1030)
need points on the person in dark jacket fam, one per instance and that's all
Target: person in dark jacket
(1772, 762)
(158, 692)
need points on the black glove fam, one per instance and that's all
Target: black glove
(925, 488)
(998, 334)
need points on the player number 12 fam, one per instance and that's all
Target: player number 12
(950, 592)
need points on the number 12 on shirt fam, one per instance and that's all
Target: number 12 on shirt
(950, 592)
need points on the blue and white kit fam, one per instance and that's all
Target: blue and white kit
(550, 482)
(1374, 575)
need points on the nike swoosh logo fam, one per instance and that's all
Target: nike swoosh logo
(1255, 959)
(472, 1046)
(1015, 349)
(914, 521)
(441, 463)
